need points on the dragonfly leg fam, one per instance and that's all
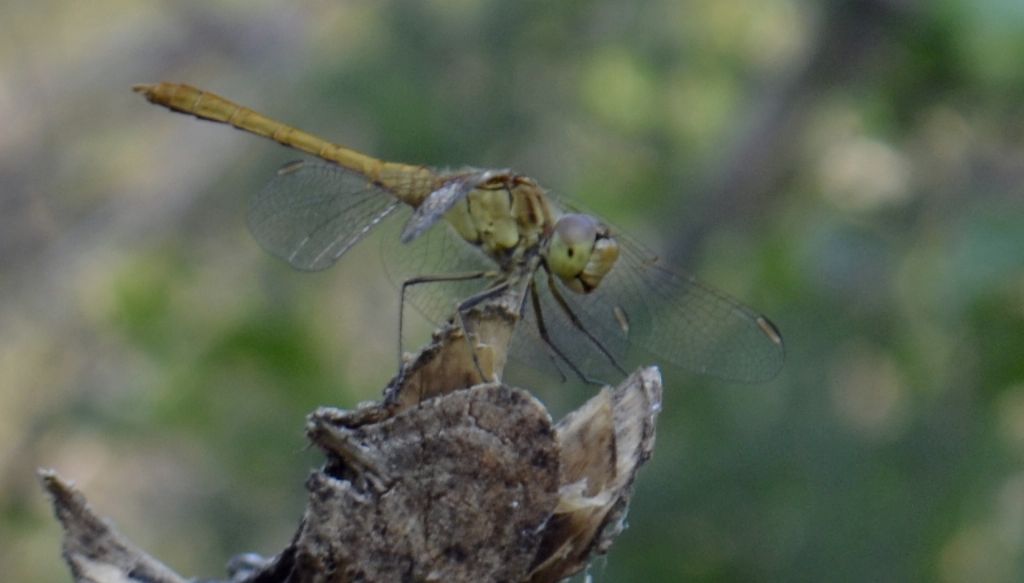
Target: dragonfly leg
(433, 279)
(579, 325)
(543, 330)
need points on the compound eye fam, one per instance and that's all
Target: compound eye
(571, 244)
(577, 229)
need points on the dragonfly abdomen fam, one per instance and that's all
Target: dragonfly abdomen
(409, 183)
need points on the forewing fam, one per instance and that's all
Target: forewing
(641, 313)
(645, 313)
(311, 213)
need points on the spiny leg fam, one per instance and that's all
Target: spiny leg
(579, 325)
(542, 329)
(526, 299)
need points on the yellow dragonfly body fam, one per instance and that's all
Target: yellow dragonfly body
(622, 304)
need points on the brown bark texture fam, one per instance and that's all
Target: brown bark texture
(452, 476)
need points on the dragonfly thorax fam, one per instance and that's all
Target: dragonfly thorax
(581, 252)
(507, 217)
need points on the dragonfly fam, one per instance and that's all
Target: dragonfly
(594, 300)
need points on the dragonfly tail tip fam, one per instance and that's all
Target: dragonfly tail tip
(144, 88)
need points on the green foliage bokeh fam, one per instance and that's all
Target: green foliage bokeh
(154, 354)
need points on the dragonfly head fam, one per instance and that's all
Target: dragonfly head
(581, 251)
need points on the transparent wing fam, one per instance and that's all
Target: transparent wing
(438, 251)
(311, 213)
(645, 313)
(642, 313)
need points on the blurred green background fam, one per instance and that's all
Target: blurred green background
(853, 168)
